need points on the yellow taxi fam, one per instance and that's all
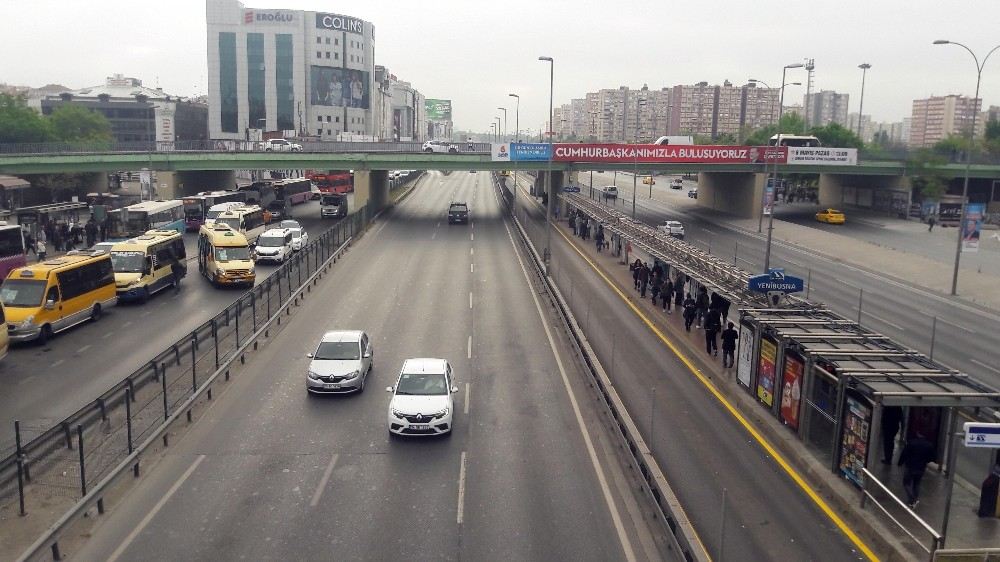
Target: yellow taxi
(648, 180)
(830, 216)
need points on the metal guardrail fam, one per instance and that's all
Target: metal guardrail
(936, 539)
(110, 434)
(683, 539)
(967, 555)
(224, 146)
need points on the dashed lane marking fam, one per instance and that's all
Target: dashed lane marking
(322, 482)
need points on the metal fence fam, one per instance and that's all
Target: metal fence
(65, 461)
(143, 147)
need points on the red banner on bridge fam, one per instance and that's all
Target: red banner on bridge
(651, 153)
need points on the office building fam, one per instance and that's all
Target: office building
(938, 117)
(713, 111)
(825, 107)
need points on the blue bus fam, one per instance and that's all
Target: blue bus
(137, 219)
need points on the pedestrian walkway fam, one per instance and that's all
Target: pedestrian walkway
(965, 528)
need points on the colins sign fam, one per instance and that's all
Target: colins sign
(267, 16)
(339, 23)
(669, 153)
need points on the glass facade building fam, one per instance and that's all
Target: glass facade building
(284, 83)
(229, 98)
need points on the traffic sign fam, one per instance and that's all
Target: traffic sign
(982, 435)
(776, 280)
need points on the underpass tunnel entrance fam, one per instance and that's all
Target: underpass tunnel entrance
(737, 193)
(892, 195)
(371, 186)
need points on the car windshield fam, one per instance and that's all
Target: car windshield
(271, 241)
(289, 224)
(22, 292)
(127, 262)
(421, 384)
(232, 253)
(338, 351)
(296, 232)
(461, 207)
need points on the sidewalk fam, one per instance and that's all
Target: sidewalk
(965, 528)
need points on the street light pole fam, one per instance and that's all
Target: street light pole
(861, 104)
(968, 155)
(550, 199)
(781, 102)
(517, 133)
(504, 110)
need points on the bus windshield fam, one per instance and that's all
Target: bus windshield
(128, 262)
(214, 214)
(193, 208)
(22, 292)
(10, 242)
(138, 221)
(233, 223)
(232, 253)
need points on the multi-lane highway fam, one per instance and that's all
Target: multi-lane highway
(965, 332)
(271, 473)
(738, 497)
(41, 385)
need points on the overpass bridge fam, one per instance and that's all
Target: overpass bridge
(735, 188)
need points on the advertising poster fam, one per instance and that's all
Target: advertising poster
(530, 151)
(768, 197)
(500, 153)
(702, 154)
(972, 226)
(822, 155)
(438, 110)
(765, 371)
(791, 389)
(341, 87)
(744, 361)
(854, 441)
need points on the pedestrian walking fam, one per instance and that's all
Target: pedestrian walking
(178, 271)
(636, 266)
(573, 222)
(725, 310)
(892, 420)
(930, 223)
(689, 312)
(599, 238)
(914, 458)
(90, 229)
(678, 292)
(40, 250)
(656, 285)
(712, 327)
(701, 305)
(29, 244)
(729, 337)
(643, 280)
(667, 291)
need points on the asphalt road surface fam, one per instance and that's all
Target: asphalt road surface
(41, 385)
(271, 473)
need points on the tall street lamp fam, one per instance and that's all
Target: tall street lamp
(498, 129)
(493, 132)
(861, 104)
(781, 102)
(968, 154)
(504, 110)
(550, 200)
(517, 133)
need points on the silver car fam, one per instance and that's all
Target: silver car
(341, 363)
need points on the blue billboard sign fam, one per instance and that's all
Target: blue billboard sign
(776, 280)
(530, 151)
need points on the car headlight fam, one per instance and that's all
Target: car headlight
(313, 375)
(441, 414)
(352, 374)
(398, 414)
(218, 271)
(27, 322)
(251, 270)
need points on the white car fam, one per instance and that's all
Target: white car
(439, 146)
(299, 238)
(422, 402)
(274, 245)
(676, 183)
(281, 145)
(673, 228)
(341, 363)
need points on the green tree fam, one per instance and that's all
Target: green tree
(992, 130)
(833, 134)
(930, 182)
(74, 123)
(20, 123)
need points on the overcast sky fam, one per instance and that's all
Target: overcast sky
(475, 52)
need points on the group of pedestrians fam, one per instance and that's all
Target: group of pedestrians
(63, 237)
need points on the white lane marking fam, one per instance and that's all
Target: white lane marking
(146, 313)
(882, 320)
(438, 225)
(57, 363)
(465, 407)
(322, 482)
(470, 299)
(985, 366)
(472, 236)
(127, 324)
(605, 489)
(469, 348)
(433, 236)
(83, 349)
(107, 335)
(156, 509)
(461, 491)
(795, 263)
(967, 330)
(472, 268)
(472, 251)
(709, 231)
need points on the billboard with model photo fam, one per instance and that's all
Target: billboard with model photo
(342, 87)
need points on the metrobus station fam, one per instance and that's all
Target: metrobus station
(828, 380)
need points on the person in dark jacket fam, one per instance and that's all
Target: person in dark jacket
(729, 337)
(667, 291)
(178, 271)
(689, 312)
(914, 458)
(643, 280)
(712, 326)
(656, 285)
(679, 292)
(636, 266)
(599, 238)
(701, 305)
(892, 420)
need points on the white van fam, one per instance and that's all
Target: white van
(215, 210)
(274, 245)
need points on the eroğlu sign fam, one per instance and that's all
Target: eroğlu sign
(669, 153)
(339, 23)
(267, 16)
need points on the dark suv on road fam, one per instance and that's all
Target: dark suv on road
(458, 212)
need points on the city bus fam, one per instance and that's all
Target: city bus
(333, 181)
(793, 140)
(149, 215)
(287, 193)
(224, 256)
(45, 298)
(247, 220)
(144, 265)
(215, 210)
(196, 206)
(12, 250)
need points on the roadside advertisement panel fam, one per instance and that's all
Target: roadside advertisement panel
(768, 197)
(530, 151)
(500, 153)
(745, 359)
(972, 226)
(438, 110)
(791, 389)
(765, 371)
(822, 155)
(338, 87)
(652, 153)
(854, 439)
